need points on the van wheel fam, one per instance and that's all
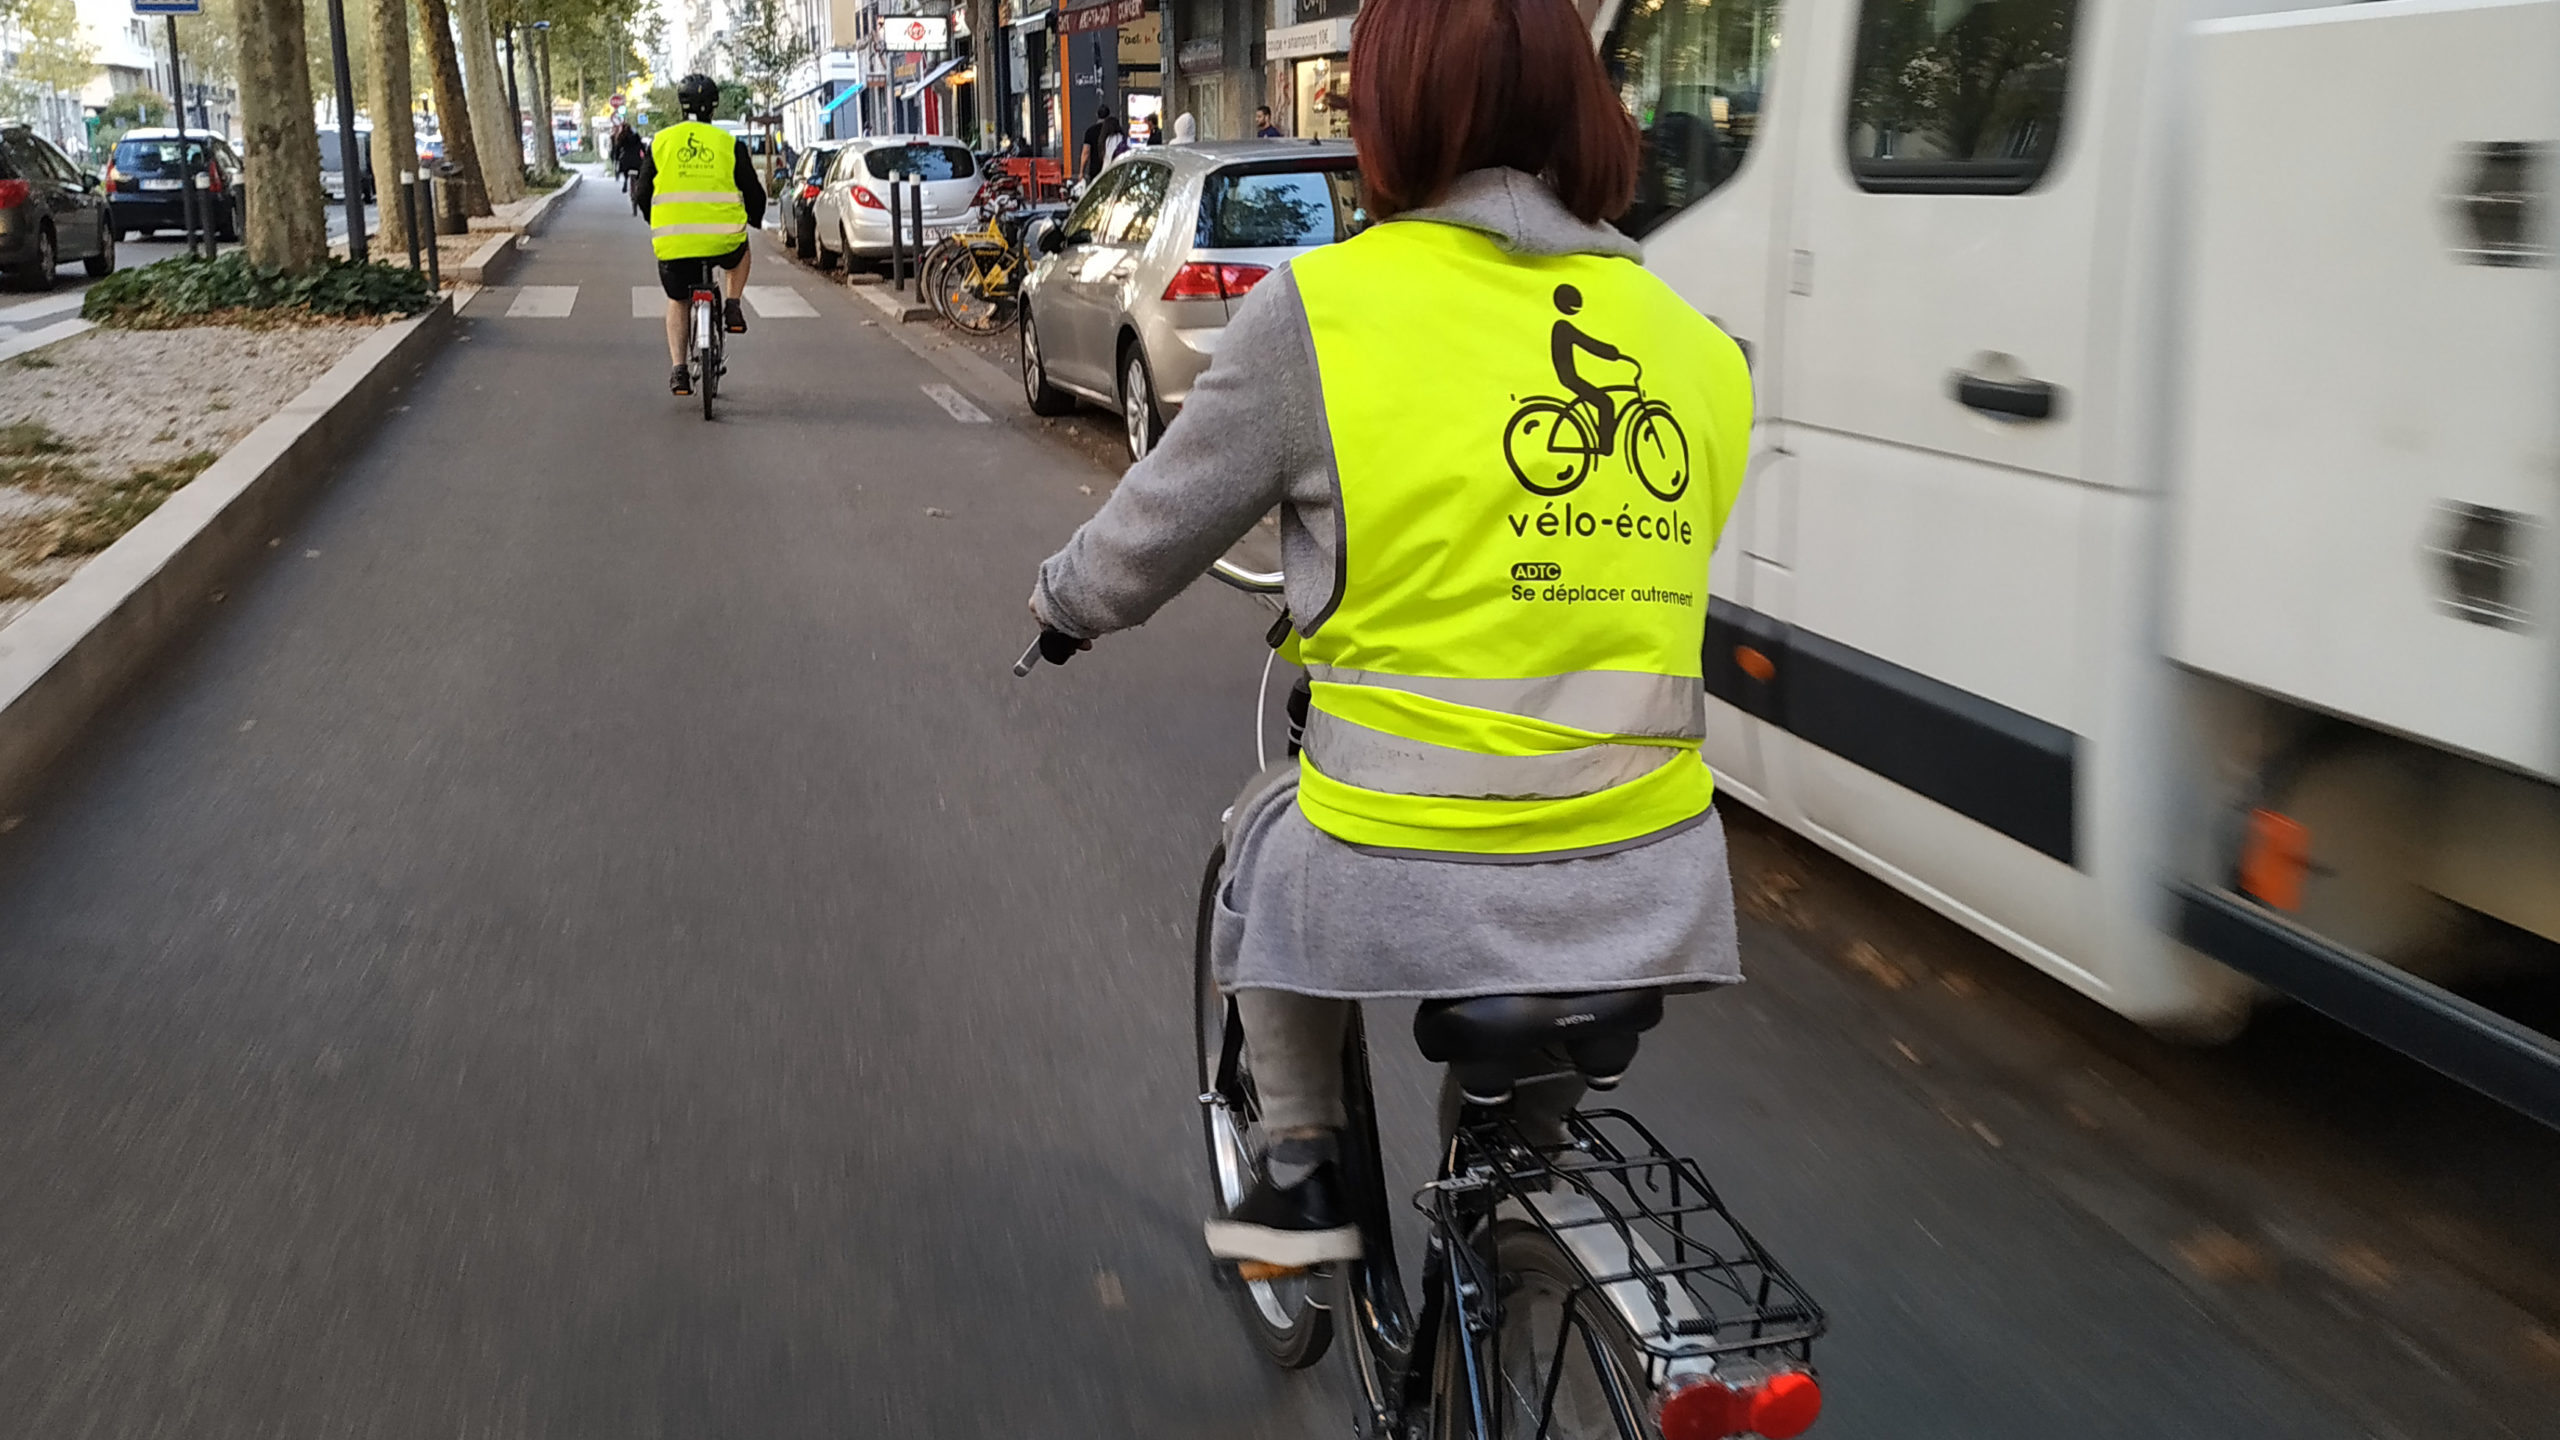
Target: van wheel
(1043, 397)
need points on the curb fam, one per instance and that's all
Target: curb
(495, 260)
(66, 659)
(892, 304)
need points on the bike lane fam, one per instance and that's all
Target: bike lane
(591, 940)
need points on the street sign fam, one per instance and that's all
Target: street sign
(915, 32)
(168, 7)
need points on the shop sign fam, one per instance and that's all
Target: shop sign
(1298, 42)
(840, 65)
(915, 32)
(1103, 15)
(1206, 54)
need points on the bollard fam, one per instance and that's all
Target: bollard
(897, 238)
(916, 210)
(409, 212)
(202, 187)
(427, 207)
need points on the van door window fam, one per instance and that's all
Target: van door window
(1960, 96)
(1691, 73)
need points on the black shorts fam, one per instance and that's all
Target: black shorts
(678, 277)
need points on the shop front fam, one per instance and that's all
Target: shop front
(1311, 64)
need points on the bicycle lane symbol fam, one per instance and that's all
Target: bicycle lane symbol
(1552, 442)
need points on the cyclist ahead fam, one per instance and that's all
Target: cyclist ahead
(1501, 790)
(699, 186)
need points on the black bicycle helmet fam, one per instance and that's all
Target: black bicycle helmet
(698, 95)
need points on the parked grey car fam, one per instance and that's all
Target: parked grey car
(50, 211)
(1133, 288)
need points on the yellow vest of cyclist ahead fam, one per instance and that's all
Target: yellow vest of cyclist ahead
(695, 209)
(1536, 455)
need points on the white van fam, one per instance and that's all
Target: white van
(2151, 554)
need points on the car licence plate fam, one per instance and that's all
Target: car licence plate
(161, 185)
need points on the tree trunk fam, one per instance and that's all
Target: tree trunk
(280, 148)
(537, 93)
(388, 94)
(485, 87)
(461, 151)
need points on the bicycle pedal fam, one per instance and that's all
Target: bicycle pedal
(1251, 1270)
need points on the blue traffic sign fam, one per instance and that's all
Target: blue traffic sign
(168, 7)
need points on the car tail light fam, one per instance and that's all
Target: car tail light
(863, 197)
(809, 192)
(978, 201)
(213, 175)
(1779, 1407)
(1201, 280)
(14, 193)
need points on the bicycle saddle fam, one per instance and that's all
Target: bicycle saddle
(1491, 1041)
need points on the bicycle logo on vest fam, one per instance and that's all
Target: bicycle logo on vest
(1552, 442)
(695, 150)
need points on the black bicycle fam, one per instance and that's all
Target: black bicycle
(1580, 1283)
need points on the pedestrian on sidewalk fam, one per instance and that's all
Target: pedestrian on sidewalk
(1499, 793)
(1263, 129)
(1101, 140)
(1186, 131)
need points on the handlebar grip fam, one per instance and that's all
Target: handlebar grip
(1055, 646)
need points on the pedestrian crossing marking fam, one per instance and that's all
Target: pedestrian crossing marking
(779, 302)
(956, 405)
(648, 302)
(543, 302)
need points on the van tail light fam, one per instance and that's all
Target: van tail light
(863, 197)
(14, 193)
(1779, 1407)
(1201, 280)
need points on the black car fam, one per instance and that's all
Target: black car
(147, 179)
(49, 212)
(800, 196)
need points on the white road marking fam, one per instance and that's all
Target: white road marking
(956, 405)
(779, 302)
(542, 302)
(648, 302)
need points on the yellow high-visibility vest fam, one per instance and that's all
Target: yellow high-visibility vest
(695, 209)
(1536, 456)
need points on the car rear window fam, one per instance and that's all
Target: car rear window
(154, 157)
(1250, 209)
(928, 162)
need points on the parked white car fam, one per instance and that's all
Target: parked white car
(852, 207)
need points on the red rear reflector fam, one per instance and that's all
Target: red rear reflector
(14, 192)
(2274, 859)
(1200, 280)
(863, 197)
(1779, 1408)
(1755, 663)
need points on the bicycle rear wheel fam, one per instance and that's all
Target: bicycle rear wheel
(1284, 1315)
(1559, 1358)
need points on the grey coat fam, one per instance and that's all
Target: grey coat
(1299, 910)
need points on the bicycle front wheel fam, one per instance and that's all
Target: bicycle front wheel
(1561, 1365)
(1284, 1316)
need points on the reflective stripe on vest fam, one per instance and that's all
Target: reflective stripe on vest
(1536, 457)
(695, 209)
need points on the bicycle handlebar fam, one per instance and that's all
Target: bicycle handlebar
(1251, 582)
(1058, 647)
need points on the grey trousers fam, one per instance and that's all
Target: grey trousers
(1294, 1043)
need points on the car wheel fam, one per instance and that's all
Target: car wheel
(1138, 402)
(1043, 397)
(39, 275)
(104, 262)
(829, 259)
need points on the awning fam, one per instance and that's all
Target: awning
(849, 92)
(936, 73)
(801, 94)
(1032, 22)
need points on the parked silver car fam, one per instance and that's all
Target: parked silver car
(852, 209)
(1133, 288)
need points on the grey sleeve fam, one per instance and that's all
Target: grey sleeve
(1251, 436)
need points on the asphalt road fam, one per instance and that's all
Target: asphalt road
(591, 940)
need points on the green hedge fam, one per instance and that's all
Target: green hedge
(195, 291)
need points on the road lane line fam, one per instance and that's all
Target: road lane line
(779, 302)
(956, 405)
(542, 302)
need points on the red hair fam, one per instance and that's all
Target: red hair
(1442, 87)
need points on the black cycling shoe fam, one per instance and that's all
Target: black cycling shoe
(1300, 1226)
(734, 315)
(682, 380)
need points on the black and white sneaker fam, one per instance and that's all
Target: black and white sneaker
(1295, 1225)
(734, 315)
(682, 380)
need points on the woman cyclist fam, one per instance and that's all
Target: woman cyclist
(1501, 790)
